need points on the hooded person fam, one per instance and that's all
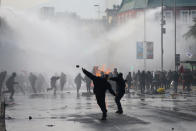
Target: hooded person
(101, 85)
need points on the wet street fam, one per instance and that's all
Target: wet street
(67, 111)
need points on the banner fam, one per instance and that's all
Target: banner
(149, 50)
(140, 50)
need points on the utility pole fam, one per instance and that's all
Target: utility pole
(144, 43)
(175, 34)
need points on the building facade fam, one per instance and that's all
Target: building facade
(185, 9)
(109, 3)
(47, 12)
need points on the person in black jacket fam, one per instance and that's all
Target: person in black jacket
(120, 91)
(101, 85)
(188, 78)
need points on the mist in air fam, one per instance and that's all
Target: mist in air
(30, 43)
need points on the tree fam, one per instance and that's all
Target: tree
(192, 30)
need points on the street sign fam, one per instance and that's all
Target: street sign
(177, 59)
(163, 30)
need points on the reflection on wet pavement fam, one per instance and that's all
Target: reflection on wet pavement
(67, 111)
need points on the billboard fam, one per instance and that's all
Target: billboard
(140, 50)
(149, 50)
(145, 50)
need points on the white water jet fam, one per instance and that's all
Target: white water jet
(53, 46)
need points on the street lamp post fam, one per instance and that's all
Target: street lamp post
(162, 32)
(175, 34)
(144, 37)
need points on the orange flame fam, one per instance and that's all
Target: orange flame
(100, 71)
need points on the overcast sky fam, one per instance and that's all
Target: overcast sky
(84, 8)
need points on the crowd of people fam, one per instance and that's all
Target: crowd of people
(146, 81)
(143, 81)
(30, 82)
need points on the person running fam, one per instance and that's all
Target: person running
(101, 85)
(10, 85)
(120, 91)
(53, 81)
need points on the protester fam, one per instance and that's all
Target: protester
(175, 79)
(101, 85)
(129, 81)
(88, 83)
(53, 81)
(33, 79)
(78, 81)
(120, 91)
(63, 80)
(10, 85)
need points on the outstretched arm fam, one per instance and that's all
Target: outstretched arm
(87, 73)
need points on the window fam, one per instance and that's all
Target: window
(184, 15)
(168, 15)
(193, 14)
